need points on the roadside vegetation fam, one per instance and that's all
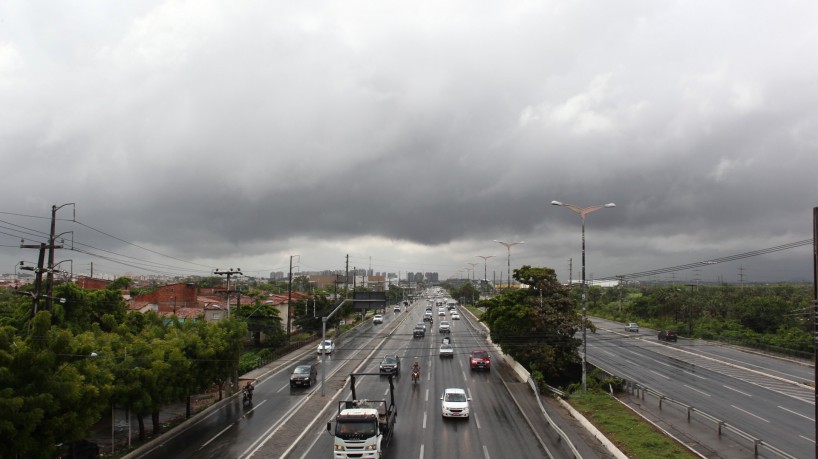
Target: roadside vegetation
(775, 318)
(537, 324)
(61, 370)
(625, 429)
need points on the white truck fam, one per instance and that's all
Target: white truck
(363, 428)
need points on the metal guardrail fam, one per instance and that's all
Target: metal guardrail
(640, 390)
(563, 437)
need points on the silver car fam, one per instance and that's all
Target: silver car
(326, 347)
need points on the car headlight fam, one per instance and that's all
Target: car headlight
(371, 447)
(339, 447)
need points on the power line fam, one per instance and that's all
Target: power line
(711, 261)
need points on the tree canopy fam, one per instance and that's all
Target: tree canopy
(62, 369)
(536, 324)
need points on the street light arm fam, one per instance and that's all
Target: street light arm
(583, 211)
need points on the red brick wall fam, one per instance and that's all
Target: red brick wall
(168, 296)
(90, 283)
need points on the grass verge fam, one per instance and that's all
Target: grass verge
(630, 433)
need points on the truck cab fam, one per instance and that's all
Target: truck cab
(357, 433)
(363, 428)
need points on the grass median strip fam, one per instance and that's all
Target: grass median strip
(630, 433)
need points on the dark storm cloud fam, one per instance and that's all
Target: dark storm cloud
(243, 134)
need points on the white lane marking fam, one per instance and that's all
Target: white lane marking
(476, 420)
(486, 452)
(736, 390)
(751, 414)
(694, 374)
(216, 436)
(809, 439)
(421, 451)
(427, 395)
(283, 387)
(424, 419)
(799, 414)
(697, 390)
(659, 374)
(231, 425)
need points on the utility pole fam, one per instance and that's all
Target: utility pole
(289, 298)
(38, 277)
(228, 273)
(815, 305)
(51, 247)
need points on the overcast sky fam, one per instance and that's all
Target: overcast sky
(410, 135)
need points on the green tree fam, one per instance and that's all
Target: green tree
(53, 388)
(121, 283)
(265, 319)
(536, 325)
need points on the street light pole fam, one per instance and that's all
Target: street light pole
(508, 246)
(582, 213)
(485, 267)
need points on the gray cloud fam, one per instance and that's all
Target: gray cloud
(241, 134)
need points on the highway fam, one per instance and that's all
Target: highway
(764, 396)
(284, 422)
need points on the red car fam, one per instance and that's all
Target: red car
(479, 359)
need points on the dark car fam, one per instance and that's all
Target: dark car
(82, 449)
(303, 375)
(667, 335)
(390, 365)
(419, 332)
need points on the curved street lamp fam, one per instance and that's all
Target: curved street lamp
(582, 213)
(508, 246)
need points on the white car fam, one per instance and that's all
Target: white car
(455, 315)
(396, 308)
(326, 347)
(378, 319)
(632, 327)
(455, 403)
(446, 350)
(444, 327)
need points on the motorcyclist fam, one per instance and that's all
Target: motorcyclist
(416, 369)
(248, 390)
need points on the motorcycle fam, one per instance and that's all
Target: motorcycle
(415, 375)
(247, 396)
